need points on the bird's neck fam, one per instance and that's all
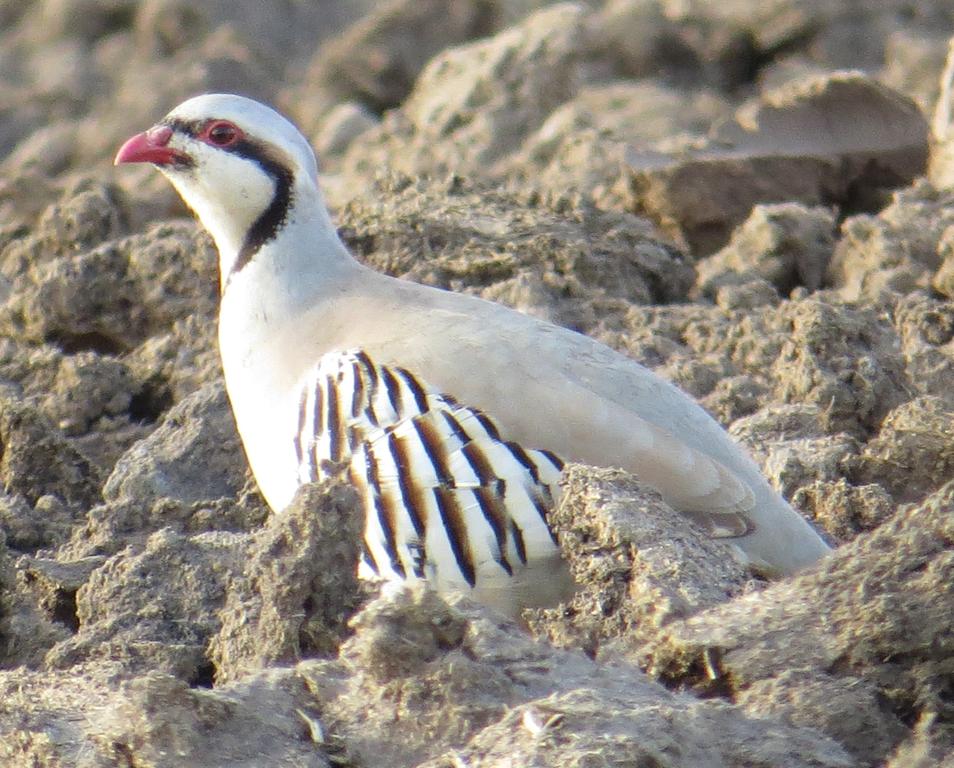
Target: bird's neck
(302, 266)
(300, 248)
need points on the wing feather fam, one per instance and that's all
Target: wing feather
(447, 497)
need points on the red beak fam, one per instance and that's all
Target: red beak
(150, 147)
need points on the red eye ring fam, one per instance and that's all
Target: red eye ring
(221, 133)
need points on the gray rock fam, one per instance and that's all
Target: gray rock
(341, 126)
(559, 259)
(913, 453)
(165, 28)
(26, 631)
(750, 294)
(639, 565)
(156, 609)
(86, 19)
(792, 447)
(194, 455)
(474, 104)
(830, 346)
(732, 398)
(466, 687)
(925, 327)
(582, 145)
(81, 217)
(78, 304)
(943, 281)
(565, 730)
(110, 528)
(50, 150)
(54, 584)
(90, 718)
(814, 649)
(914, 59)
(377, 59)
(24, 530)
(778, 424)
(38, 461)
(298, 586)
(797, 463)
(642, 40)
(88, 388)
(268, 719)
(783, 149)
(895, 252)
(841, 509)
(786, 244)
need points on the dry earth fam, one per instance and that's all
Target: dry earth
(744, 196)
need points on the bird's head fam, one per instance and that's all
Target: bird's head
(241, 166)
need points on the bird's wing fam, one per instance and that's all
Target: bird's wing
(542, 385)
(549, 387)
(446, 496)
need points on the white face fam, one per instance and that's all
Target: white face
(227, 192)
(237, 164)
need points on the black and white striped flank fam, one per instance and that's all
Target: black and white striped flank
(446, 497)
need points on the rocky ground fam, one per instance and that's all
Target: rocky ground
(745, 196)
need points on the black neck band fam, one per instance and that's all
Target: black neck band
(266, 226)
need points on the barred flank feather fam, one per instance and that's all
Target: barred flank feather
(445, 497)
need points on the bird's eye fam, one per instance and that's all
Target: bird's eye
(222, 133)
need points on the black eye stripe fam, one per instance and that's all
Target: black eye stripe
(190, 128)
